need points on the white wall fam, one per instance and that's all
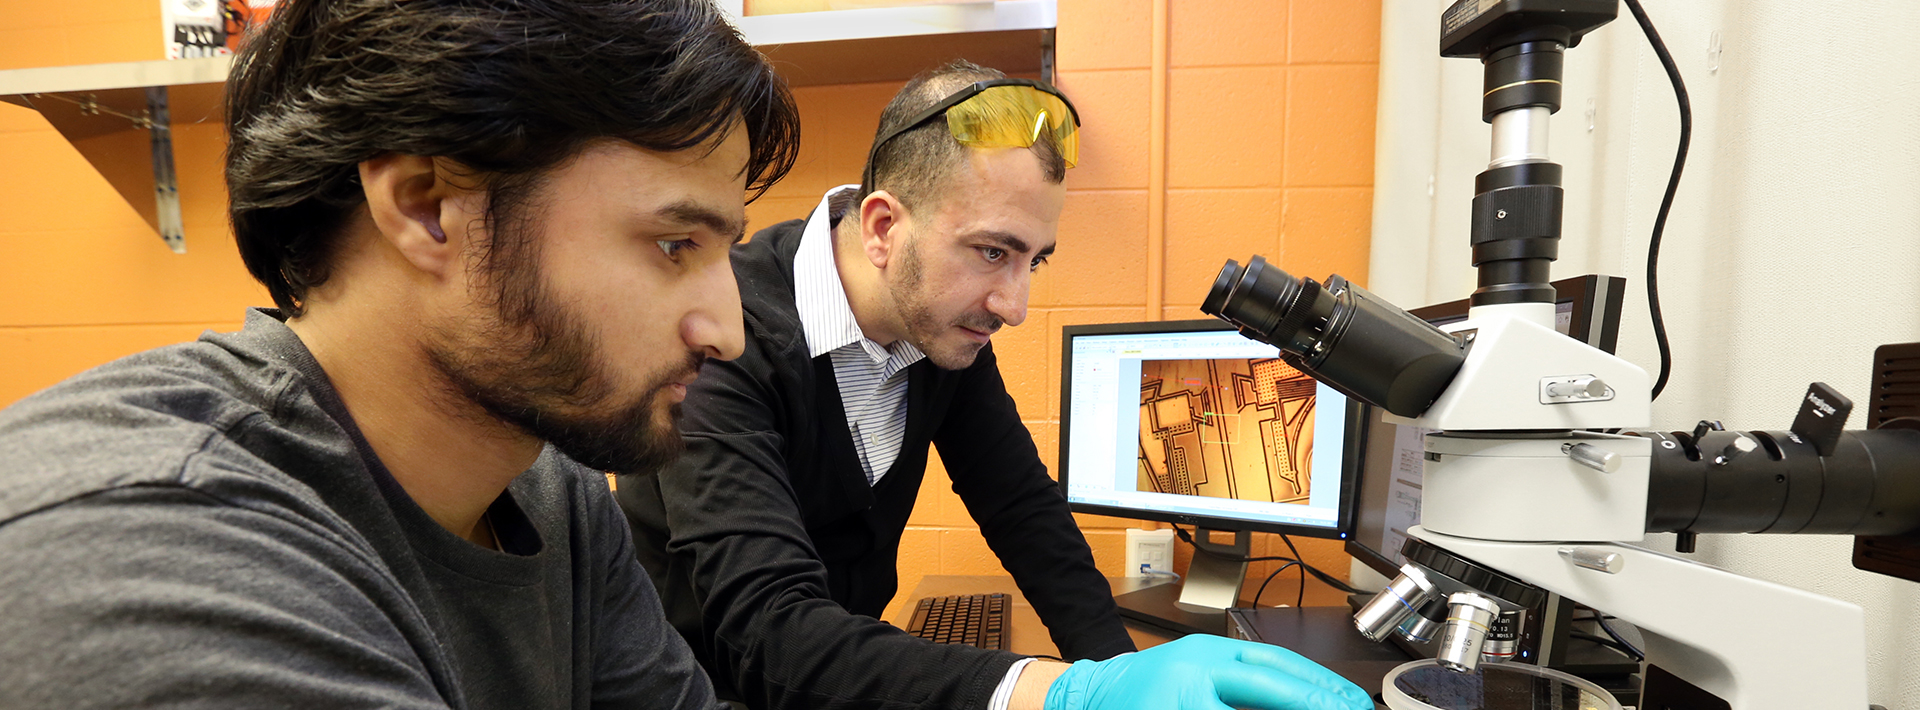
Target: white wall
(1794, 245)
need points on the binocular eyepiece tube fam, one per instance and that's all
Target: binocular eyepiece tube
(1339, 334)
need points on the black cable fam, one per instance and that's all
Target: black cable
(1300, 600)
(1616, 636)
(1224, 556)
(1263, 585)
(1666, 202)
(1331, 581)
(1609, 643)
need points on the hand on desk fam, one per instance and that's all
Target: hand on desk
(1201, 672)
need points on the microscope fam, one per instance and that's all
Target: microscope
(1534, 482)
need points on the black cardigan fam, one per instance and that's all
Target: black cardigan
(774, 556)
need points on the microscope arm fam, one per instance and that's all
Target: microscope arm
(1808, 653)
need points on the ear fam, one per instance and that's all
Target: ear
(414, 210)
(881, 215)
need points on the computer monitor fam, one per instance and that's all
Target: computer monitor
(1189, 422)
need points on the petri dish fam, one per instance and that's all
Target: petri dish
(1424, 685)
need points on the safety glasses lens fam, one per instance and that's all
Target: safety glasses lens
(1015, 117)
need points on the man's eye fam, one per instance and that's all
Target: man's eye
(674, 247)
(992, 254)
(1037, 261)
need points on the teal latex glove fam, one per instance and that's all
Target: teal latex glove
(1201, 672)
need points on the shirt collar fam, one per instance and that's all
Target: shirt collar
(826, 317)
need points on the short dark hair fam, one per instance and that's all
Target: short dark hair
(509, 89)
(914, 165)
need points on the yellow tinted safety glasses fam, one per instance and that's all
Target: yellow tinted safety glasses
(1000, 113)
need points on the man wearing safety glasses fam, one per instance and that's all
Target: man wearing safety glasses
(774, 538)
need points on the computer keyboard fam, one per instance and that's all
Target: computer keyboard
(978, 620)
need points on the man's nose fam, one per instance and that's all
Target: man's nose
(714, 326)
(1009, 301)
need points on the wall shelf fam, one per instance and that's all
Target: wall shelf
(895, 43)
(120, 116)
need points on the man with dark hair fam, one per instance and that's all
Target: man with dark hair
(498, 235)
(774, 539)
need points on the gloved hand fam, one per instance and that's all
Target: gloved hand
(1201, 672)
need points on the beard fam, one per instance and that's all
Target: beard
(531, 365)
(926, 328)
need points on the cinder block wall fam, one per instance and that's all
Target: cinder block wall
(83, 279)
(1269, 139)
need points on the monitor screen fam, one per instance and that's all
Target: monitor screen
(1390, 459)
(1390, 483)
(1190, 422)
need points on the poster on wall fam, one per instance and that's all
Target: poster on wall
(209, 28)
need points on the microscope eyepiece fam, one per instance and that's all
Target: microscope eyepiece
(1222, 287)
(1339, 334)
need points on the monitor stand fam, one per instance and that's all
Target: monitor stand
(1198, 604)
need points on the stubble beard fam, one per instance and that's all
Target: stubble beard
(924, 328)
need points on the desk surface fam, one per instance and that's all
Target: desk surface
(1029, 636)
(1328, 636)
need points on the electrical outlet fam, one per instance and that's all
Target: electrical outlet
(1149, 550)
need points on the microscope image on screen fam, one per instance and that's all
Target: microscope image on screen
(1238, 428)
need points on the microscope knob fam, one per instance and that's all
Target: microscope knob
(1579, 388)
(1594, 558)
(1742, 445)
(1591, 456)
(1572, 389)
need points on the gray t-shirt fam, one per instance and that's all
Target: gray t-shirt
(203, 525)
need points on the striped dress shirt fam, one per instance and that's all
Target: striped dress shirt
(872, 378)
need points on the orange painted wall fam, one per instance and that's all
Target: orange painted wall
(83, 280)
(1269, 150)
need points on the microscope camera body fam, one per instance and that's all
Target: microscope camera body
(1531, 486)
